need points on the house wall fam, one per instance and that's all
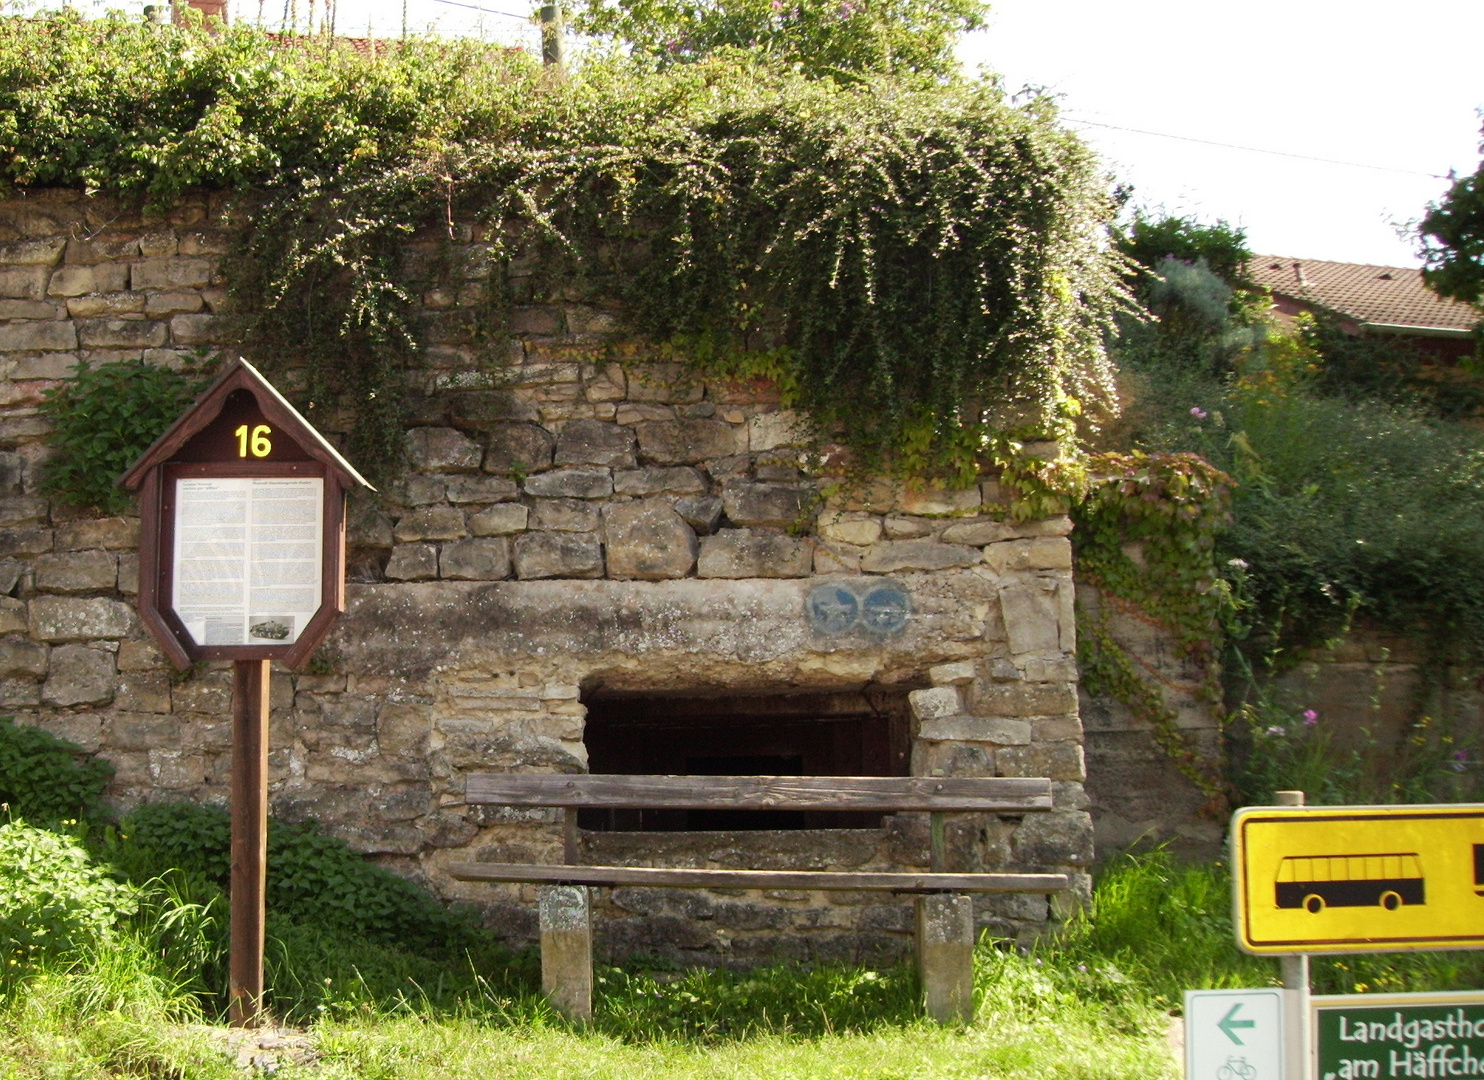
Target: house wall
(575, 519)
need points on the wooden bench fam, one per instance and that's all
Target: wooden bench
(945, 917)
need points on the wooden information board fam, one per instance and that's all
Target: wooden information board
(242, 558)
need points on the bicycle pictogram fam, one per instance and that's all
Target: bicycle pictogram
(1236, 1068)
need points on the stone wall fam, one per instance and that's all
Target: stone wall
(575, 520)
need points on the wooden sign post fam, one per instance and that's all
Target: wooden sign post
(242, 558)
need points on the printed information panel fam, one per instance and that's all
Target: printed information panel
(248, 558)
(1413, 1036)
(1358, 878)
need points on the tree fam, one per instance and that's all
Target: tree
(1452, 239)
(836, 39)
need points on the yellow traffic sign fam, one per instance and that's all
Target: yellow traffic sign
(1343, 879)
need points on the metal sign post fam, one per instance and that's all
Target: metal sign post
(242, 558)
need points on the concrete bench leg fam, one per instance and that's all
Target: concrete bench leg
(945, 956)
(567, 949)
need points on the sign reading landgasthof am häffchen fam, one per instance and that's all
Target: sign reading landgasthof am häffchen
(1412, 1036)
(1358, 878)
(242, 527)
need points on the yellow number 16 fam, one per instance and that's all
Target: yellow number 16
(261, 447)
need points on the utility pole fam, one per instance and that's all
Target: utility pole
(553, 49)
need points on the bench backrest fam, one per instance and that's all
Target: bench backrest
(886, 794)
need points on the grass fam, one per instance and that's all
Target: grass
(1093, 1002)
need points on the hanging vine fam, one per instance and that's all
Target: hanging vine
(1145, 538)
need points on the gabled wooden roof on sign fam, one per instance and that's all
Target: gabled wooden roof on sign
(242, 376)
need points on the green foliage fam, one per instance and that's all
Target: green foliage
(54, 902)
(1222, 248)
(46, 779)
(1146, 537)
(102, 420)
(1451, 237)
(1387, 367)
(314, 880)
(905, 251)
(837, 39)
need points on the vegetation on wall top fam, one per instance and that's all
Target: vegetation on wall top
(900, 254)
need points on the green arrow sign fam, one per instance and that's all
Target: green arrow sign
(1228, 1023)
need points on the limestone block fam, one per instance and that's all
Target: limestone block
(605, 383)
(369, 527)
(1024, 699)
(157, 243)
(567, 949)
(111, 533)
(936, 499)
(442, 449)
(745, 553)
(122, 333)
(1030, 613)
(837, 559)
(25, 541)
(201, 329)
(565, 515)
(475, 560)
(139, 656)
(595, 442)
(210, 692)
(893, 556)
(417, 490)
(402, 730)
(23, 510)
(76, 571)
(1060, 669)
(552, 555)
(83, 730)
(19, 693)
(1041, 553)
(103, 247)
(935, 702)
(958, 673)
(945, 956)
(500, 520)
(19, 657)
(1057, 761)
(664, 383)
(677, 480)
(978, 533)
(10, 575)
(172, 272)
(78, 675)
(769, 431)
(998, 730)
(103, 305)
(75, 618)
(12, 615)
(412, 562)
(23, 282)
(900, 528)
(685, 442)
(648, 541)
(587, 483)
(203, 242)
(27, 309)
(168, 303)
(480, 489)
(72, 281)
(46, 252)
(12, 471)
(431, 523)
(850, 527)
(1057, 729)
(748, 504)
(37, 336)
(702, 513)
(1057, 838)
(143, 691)
(630, 413)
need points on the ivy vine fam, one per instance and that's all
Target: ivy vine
(1146, 539)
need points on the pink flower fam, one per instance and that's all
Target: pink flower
(1310, 718)
(1198, 412)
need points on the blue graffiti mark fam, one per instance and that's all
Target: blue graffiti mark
(832, 609)
(885, 610)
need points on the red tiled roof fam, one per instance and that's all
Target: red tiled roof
(1382, 295)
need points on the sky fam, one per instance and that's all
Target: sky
(1384, 85)
(1384, 91)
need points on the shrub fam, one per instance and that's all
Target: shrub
(102, 420)
(54, 901)
(46, 779)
